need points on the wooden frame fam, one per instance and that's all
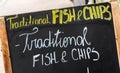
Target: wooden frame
(5, 47)
(116, 16)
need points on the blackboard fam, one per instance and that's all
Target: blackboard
(69, 40)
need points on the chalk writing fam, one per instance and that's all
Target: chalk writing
(84, 54)
(62, 16)
(87, 13)
(27, 21)
(88, 71)
(51, 58)
(53, 42)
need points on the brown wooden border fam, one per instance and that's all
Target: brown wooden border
(116, 17)
(4, 39)
(5, 47)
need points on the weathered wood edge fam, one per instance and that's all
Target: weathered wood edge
(116, 17)
(5, 47)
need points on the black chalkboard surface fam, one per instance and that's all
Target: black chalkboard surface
(70, 40)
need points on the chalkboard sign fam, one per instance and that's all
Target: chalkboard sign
(69, 40)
